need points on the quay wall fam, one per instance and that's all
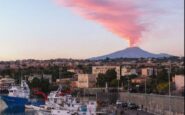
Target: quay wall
(156, 104)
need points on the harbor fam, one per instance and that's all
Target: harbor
(105, 103)
(61, 102)
(57, 103)
(111, 110)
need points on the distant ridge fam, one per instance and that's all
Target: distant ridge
(131, 52)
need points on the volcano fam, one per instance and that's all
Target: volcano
(131, 52)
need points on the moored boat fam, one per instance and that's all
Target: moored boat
(17, 96)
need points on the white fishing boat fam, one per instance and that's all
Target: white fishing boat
(79, 109)
(55, 101)
(57, 97)
(58, 104)
(40, 112)
(60, 112)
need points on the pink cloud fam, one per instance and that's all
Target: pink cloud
(118, 16)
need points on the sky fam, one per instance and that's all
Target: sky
(45, 29)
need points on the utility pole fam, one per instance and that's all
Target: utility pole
(169, 80)
(145, 92)
(128, 89)
(118, 85)
(128, 85)
(145, 85)
(21, 76)
(119, 76)
(59, 76)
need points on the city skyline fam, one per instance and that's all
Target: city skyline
(48, 29)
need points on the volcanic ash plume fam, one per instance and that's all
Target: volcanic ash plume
(118, 16)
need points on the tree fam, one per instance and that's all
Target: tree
(101, 80)
(110, 77)
(35, 83)
(127, 78)
(159, 83)
(114, 83)
(42, 84)
(179, 71)
(45, 85)
(162, 87)
(152, 85)
(85, 68)
(162, 76)
(67, 74)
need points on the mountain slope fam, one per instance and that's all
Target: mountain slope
(132, 52)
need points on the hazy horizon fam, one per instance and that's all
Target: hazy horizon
(50, 29)
(78, 58)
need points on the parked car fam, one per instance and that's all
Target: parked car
(121, 103)
(132, 106)
(124, 104)
(118, 102)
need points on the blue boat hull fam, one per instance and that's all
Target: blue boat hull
(17, 110)
(15, 101)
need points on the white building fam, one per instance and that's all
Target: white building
(128, 71)
(103, 69)
(86, 80)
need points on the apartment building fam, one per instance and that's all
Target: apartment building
(103, 69)
(86, 80)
